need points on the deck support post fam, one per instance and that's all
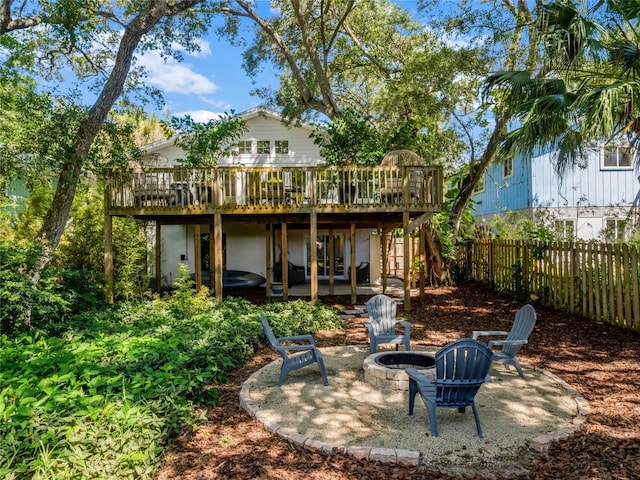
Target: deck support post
(267, 241)
(385, 260)
(313, 237)
(423, 259)
(212, 255)
(332, 260)
(159, 256)
(197, 249)
(108, 247)
(217, 234)
(353, 266)
(284, 260)
(407, 262)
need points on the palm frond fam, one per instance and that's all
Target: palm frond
(629, 10)
(514, 82)
(565, 31)
(625, 55)
(570, 150)
(605, 110)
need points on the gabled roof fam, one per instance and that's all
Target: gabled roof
(246, 115)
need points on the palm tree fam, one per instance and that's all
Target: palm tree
(589, 88)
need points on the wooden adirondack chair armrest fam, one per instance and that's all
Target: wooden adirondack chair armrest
(425, 384)
(487, 333)
(368, 325)
(405, 324)
(297, 338)
(502, 343)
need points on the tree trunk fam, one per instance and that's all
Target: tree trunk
(438, 270)
(475, 174)
(56, 218)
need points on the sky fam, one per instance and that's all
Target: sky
(210, 82)
(206, 83)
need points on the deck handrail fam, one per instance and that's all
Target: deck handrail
(243, 188)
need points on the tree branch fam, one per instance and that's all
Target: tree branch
(308, 98)
(9, 24)
(383, 69)
(321, 73)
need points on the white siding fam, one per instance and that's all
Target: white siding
(302, 150)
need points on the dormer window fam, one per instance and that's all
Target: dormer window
(282, 147)
(615, 157)
(264, 147)
(244, 147)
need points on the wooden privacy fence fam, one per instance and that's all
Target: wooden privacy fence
(598, 280)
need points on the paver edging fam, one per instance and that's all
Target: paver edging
(539, 444)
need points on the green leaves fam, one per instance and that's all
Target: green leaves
(103, 398)
(350, 139)
(205, 143)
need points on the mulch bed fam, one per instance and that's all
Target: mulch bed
(600, 360)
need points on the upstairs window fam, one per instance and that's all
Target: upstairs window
(282, 147)
(615, 157)
(507, 168)
(245, 147)
(264, 147)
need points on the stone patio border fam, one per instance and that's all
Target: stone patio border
(539, 444)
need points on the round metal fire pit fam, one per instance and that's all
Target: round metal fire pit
(385, 370)
(406, 360)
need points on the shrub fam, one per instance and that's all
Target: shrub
(99, 394)
(58, 294)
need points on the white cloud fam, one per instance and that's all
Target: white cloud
(205, 49)
(200, 116)
(173, 77)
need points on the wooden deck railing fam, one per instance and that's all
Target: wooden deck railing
(265, 190)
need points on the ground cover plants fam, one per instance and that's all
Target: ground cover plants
(99, 395)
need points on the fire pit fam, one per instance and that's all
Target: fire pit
(385, 370)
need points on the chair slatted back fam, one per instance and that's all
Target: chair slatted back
(271, 337)
(523, 324)
(382, 314)
(461, 368)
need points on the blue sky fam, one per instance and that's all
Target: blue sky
(206, 83)
(212, 81)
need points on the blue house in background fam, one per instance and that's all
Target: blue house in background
(597, 199)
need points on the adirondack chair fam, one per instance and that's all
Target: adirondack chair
(523, 324)
(303, 354)
(382, 323)
(461, 369)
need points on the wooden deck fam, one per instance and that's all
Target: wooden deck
(282, 198)
(158, 192)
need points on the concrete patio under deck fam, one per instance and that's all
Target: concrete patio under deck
(395, 288)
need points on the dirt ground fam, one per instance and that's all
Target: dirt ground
(601, 361)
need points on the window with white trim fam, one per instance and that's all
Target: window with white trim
(615, 157)
(245, 147)
(282, 147)
(565, 229)
(507, 168)
(264, 147)
(614, 230)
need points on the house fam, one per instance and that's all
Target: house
(595, 199)
(274, 203)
